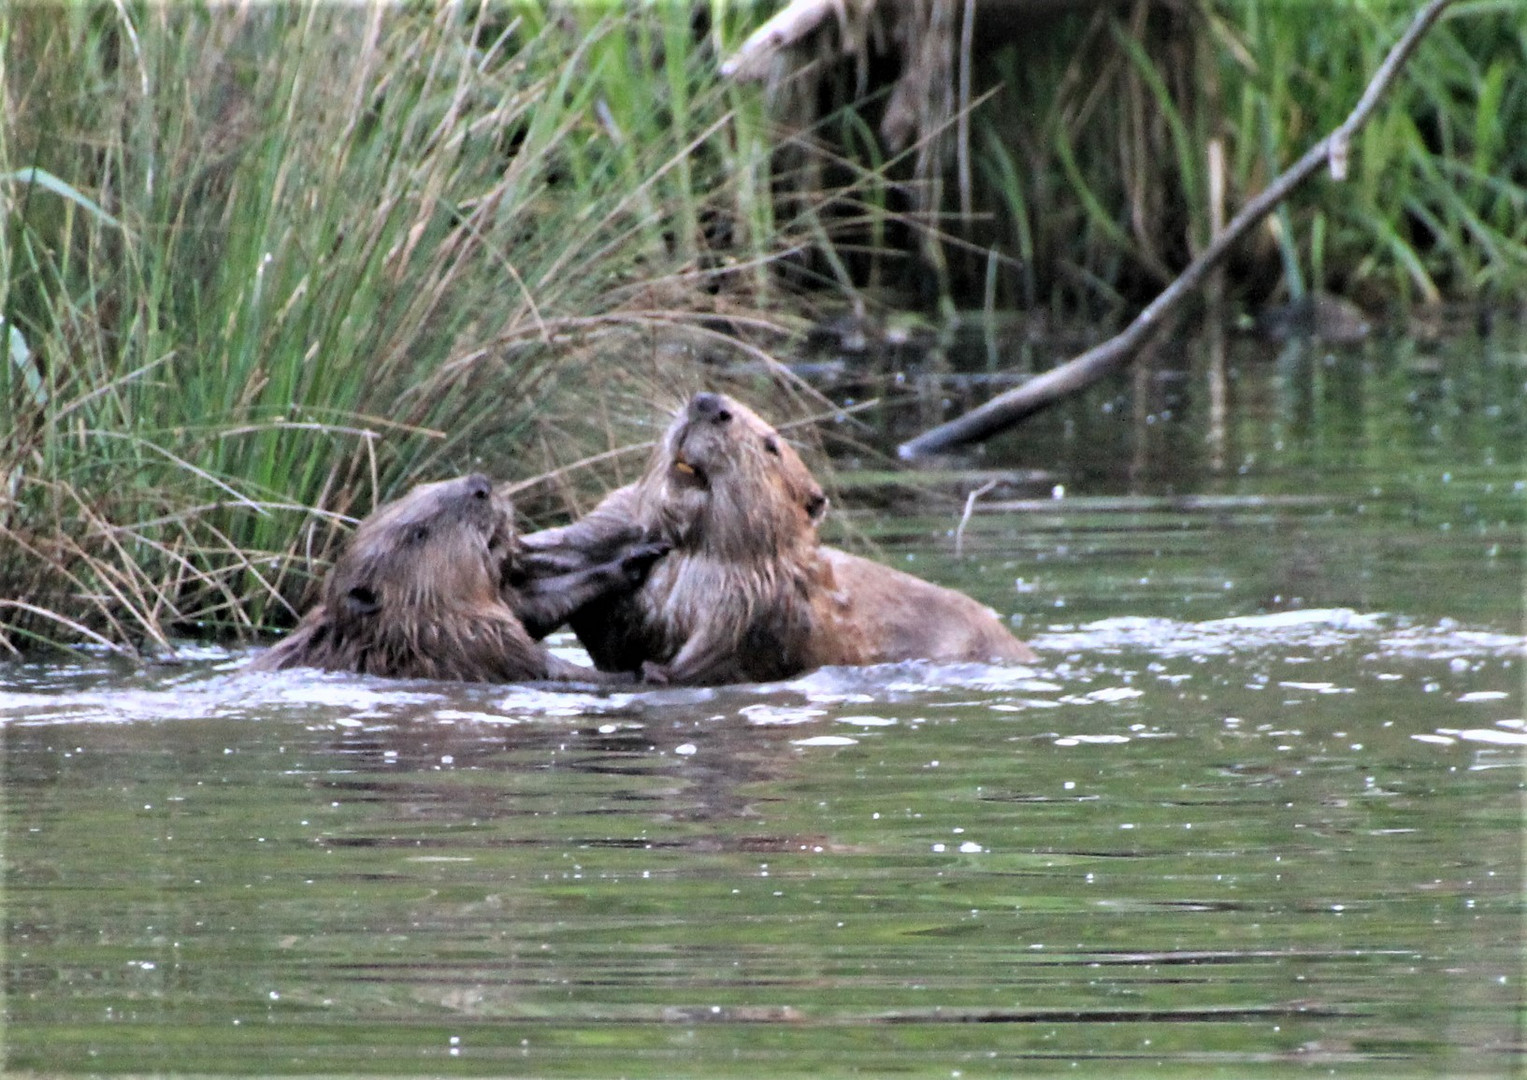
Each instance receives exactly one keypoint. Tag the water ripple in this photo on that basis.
(213, 686)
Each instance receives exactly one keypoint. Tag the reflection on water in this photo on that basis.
(1209, 833)
(1289, 838)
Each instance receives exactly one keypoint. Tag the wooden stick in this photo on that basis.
(970, 506)
(789, 25)
(1040, 392)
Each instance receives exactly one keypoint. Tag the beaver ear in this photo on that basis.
(816, 504)
(360, 601)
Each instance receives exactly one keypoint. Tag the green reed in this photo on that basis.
(262, 267)
(1094, 157)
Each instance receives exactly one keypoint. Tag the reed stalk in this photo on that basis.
(1092, 161)
(262, 267)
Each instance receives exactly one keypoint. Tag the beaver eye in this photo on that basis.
(771, 444)
(418, 534)
(362, 601)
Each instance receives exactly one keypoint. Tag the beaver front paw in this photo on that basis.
(636, 563)
(655, 674)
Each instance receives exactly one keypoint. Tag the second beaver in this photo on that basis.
(748, 592)
(427, 588)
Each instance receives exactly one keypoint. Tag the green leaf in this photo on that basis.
(44, 179)
(21, 356)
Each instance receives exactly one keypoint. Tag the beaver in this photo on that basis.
(748, 592)
(430, 587)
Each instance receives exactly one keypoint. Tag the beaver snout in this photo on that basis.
(710, 408)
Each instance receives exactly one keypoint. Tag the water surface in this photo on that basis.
(1255, 812)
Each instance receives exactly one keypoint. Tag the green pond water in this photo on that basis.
(1256, 812)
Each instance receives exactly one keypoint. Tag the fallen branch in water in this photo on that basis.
(1040, 392)
(970, 506)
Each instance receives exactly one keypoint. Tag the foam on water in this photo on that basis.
(1322, 628)
(1074, 661)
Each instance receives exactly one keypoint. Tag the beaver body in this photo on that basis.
(747, 592)
(429, 587)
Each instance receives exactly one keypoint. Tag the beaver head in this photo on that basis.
(416, 595)
(725, 483)
(420, 593)
(442, 548)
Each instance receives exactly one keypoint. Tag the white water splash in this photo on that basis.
(214, 687)
(1313, 630)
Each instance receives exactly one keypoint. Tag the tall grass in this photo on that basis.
(264, 266)
(1092, 160)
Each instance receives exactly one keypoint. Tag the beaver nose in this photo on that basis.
(479, 486)
(711, 407)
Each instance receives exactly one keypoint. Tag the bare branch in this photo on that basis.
(795, 21)
(1038, 393)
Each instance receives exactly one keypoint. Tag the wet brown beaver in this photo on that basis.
(431, 587)
(747, 592)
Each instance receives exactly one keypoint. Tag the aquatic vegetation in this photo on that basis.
(1088, 154)
(264, 266)
(1435, 205)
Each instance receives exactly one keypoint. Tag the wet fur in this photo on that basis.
(748, 593)
(426, 589)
